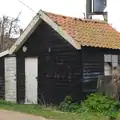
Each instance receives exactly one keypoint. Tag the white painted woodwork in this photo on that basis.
(10, 79)
(31, 73)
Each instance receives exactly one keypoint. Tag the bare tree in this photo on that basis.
(9, 28)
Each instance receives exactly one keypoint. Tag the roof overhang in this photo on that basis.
(6, 52)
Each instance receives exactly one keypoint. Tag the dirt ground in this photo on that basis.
(11, 115)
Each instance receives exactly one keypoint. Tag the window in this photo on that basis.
(110, 62)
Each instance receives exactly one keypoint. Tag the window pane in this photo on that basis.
(114, 64)
(107, 58)
(115, 58)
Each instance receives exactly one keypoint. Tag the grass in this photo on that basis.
(51, 113)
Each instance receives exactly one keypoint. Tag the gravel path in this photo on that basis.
(11, 115)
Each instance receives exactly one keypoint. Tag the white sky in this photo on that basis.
(74, 8)
(11, 8)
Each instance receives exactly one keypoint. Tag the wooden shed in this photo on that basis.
(58, 56)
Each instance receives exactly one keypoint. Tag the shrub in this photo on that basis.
(3, 102)
(103, 104)
(68, 106)
(93, 103)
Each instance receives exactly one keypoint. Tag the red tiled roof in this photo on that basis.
(88, 32)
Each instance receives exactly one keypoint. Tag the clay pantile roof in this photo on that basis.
(88, 32)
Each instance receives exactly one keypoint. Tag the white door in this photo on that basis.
(10, 79)
(31, 73)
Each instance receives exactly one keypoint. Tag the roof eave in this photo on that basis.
(6, 52)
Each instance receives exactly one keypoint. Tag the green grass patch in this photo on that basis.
(51, 113)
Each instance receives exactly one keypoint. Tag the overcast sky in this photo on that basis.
(66, 7)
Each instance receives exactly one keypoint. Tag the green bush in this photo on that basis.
(3, 102)
(94, 103)
(68, 106)
(99, 103)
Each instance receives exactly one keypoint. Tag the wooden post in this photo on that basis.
(104, 85)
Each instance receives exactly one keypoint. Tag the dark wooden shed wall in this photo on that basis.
(93, 66)
(2, 79)
(20, 79)
(59, 66)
